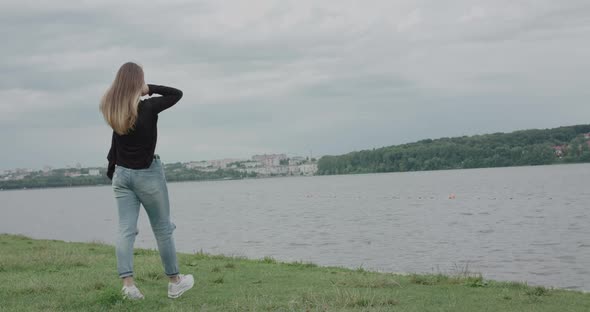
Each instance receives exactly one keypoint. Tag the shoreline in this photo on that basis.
(65, 276)
(377, 271)
(308, 176)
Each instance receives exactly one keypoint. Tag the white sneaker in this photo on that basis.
(131, 292)
(185, 283)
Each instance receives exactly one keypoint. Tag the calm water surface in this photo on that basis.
(524, 224)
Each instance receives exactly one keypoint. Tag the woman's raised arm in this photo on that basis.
(169, 96)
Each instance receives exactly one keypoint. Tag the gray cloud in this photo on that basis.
(290, 76)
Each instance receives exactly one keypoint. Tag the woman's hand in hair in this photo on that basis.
(145, 90)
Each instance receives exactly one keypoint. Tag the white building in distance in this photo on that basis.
(271, 160)
(308, 169)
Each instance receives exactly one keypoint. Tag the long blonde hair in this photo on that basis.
(119, 103)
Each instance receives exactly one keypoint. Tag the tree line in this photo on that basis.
(520, 148)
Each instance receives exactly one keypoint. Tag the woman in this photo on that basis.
(137, 174)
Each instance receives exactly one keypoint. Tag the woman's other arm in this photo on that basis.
(111, 157)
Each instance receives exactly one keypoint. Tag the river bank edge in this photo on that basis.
(53, 275)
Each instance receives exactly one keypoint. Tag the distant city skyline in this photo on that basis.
(79, 165)
(292, 76)
(261, 165)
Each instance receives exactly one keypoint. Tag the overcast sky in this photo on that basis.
(329, 76)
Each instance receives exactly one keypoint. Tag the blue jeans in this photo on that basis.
(148, 187)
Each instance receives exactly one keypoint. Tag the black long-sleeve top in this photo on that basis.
(135, 150)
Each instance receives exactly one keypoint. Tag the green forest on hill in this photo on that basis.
(520, 148)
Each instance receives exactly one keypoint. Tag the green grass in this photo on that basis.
(49, 275)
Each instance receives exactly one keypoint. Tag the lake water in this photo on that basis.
(523, 224)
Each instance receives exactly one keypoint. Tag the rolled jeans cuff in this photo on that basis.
(126, 274)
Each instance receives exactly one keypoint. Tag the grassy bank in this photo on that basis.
(47, 275)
